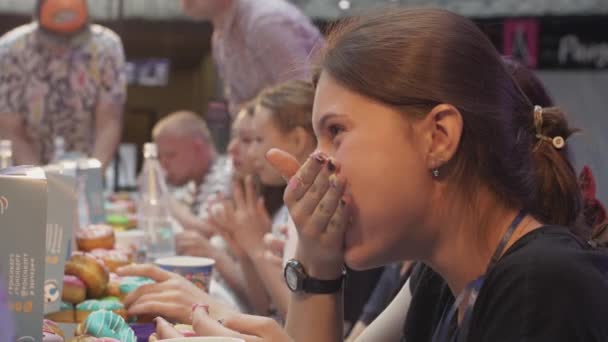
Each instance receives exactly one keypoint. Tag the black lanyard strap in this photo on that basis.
(442, 333)
(505, 239)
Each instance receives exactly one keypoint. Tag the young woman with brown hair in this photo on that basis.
(428, 150)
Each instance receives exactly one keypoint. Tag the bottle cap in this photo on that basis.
(150, 150)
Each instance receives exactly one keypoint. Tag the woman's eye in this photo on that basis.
(335, 130)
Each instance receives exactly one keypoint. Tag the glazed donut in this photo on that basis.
(74, 290)
(91, 271)
(95, 236)
(105, 323)
(130, 284)
(64, 315)
(51, 332)
(112, 258)
(114, 285)
(84, 309)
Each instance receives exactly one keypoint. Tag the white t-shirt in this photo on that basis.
(282, 218)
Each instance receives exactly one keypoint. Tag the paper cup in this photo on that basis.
(204, 339)
(143, 330)
(197, 270)
(133, 241)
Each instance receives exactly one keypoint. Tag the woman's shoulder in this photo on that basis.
(550, 285)
(551, 260)
(549, 252)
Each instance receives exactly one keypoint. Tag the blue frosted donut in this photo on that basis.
(130, 284)
(104, 323)
(94, 305)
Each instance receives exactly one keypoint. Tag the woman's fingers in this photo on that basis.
(326, 209)
(338, 224)
(285, 163)
(204, 325)
(273, 259)
(263, 213)
(164, 330)
(274, 244)
(300, 183)
(316, 191)
(162, 308)
(141, 291)
(264, 327)
(147, 270)
(274, 249)
(238, 195)
(251, 195)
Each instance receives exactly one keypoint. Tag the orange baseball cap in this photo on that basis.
(63, 16)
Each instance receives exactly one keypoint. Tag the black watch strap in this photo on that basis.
(317, 286)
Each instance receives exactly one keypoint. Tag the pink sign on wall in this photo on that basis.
(520, 40)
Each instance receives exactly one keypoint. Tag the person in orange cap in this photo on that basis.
(62, 76)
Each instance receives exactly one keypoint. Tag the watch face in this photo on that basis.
(291, 278)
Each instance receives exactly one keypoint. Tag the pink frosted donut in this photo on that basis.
(51, 332)
(113, 258)
(50, 337)
(91, 270)
(74, 290)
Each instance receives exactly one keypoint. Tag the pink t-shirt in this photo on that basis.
(260, 44)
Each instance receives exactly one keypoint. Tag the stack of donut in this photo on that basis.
(89, 284)
(121, 210)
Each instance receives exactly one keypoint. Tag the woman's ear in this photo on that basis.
(444, 126)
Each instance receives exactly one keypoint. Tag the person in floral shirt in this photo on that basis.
(61, 81)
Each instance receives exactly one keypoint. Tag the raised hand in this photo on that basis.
(245, 220)
(314, 198)
(193, 243)
(275, 247)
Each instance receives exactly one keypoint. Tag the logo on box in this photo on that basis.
(3, 204)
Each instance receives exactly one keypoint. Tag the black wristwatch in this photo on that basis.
(298, 281)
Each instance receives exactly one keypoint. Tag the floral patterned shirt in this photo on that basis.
(57, 87)
(217, 181)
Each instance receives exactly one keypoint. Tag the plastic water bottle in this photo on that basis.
(6, 154)
(58, 149)
(153, 208)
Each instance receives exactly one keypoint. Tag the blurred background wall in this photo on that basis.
(566, 41)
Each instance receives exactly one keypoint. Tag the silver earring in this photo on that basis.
(435, 173)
